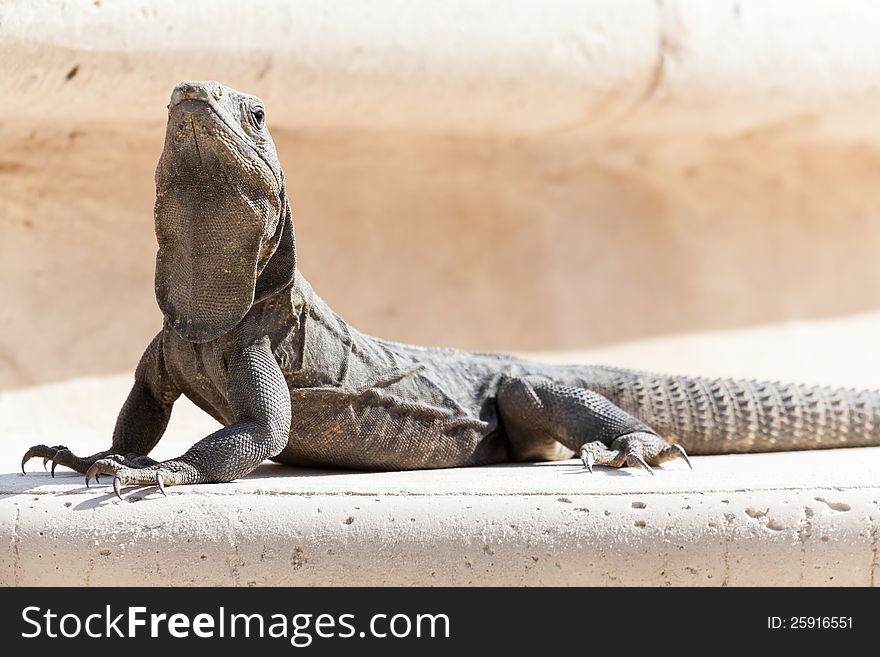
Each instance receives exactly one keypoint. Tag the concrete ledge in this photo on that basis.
(793, 519)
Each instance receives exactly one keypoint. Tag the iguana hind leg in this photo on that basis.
(539, 415)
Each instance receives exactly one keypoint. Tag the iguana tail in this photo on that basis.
(724, 416)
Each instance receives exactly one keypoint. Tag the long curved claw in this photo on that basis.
(160, 482)
(117, 486)
(682, 454)
(55, 462)
(27, 457)
(91, 473)
(588, 459)
(638, 459)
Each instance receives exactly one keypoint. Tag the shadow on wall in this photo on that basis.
(541, 243)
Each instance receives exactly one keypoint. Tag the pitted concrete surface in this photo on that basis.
(803, 518)
(786, 519)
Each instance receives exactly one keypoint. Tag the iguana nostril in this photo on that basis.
(202, 91)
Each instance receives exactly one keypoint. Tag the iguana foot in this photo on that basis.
(126, 474)
(638, 449)
(60, 455)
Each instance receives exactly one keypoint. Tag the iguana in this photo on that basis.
(248, 341)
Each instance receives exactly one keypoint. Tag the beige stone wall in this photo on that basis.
(518, 179)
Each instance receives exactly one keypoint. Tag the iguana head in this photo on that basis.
(223, 221)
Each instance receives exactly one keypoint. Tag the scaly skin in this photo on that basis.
(247, 340)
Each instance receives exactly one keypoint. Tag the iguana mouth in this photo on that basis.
(196, 141)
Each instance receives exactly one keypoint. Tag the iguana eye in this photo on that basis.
(259, 116)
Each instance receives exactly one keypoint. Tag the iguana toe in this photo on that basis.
(160, 482)
(676, 452)
(47, 453)
(107, 466)
(124, 474)
(117, 484)
(63, 457)
(147, 477)
(634, 459)
(588, 457)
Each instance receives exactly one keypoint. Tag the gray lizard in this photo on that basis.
(248, 341)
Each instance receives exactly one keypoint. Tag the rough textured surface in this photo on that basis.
(803, 518)
(247, 340)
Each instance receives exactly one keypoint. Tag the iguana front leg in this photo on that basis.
(258, 396)
(140, 423)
